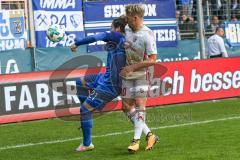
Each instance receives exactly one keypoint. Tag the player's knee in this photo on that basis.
(85, 113)
(84, 109)
(126, 107)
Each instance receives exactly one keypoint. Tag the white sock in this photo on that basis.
(138, 124)
(133, 115)
(145, 128)
(138, 119)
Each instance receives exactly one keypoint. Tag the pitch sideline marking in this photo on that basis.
(117, 133)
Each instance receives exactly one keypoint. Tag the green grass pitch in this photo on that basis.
(203, 131)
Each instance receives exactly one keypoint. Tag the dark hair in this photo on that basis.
(120, 22)
(217, 29)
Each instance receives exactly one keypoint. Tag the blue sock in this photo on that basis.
(86, 124)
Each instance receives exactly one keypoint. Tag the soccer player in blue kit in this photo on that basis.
(105, 86)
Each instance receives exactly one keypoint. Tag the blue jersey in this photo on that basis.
(110, 82)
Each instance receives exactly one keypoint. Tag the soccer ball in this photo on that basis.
(55, 33)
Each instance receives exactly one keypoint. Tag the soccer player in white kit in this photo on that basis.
(141, 52)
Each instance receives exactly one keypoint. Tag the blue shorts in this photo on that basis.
(93, 92)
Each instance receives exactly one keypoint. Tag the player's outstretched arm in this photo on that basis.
(89, 39)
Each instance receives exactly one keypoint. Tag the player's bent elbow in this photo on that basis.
(152, 62)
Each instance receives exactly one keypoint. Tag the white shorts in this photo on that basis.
(135, 88)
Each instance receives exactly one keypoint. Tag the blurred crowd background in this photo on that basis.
(215, 13)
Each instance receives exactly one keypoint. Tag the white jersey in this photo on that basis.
(216, 46)
(140, 44)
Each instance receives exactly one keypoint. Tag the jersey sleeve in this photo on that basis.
(151, 47)
(104, 36)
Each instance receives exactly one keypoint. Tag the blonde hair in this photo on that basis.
(135, 9)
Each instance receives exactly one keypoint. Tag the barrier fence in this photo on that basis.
(30, 96)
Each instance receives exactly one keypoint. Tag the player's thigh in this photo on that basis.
(88, 81)
(132, 89)
(98, 100)
(91, 80)
(127, 97)
(127, 89)
(83, 93)
(141, 87)
(141, 102)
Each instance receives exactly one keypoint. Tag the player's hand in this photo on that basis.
(73, 48)
(126, 71)
(127, 45)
